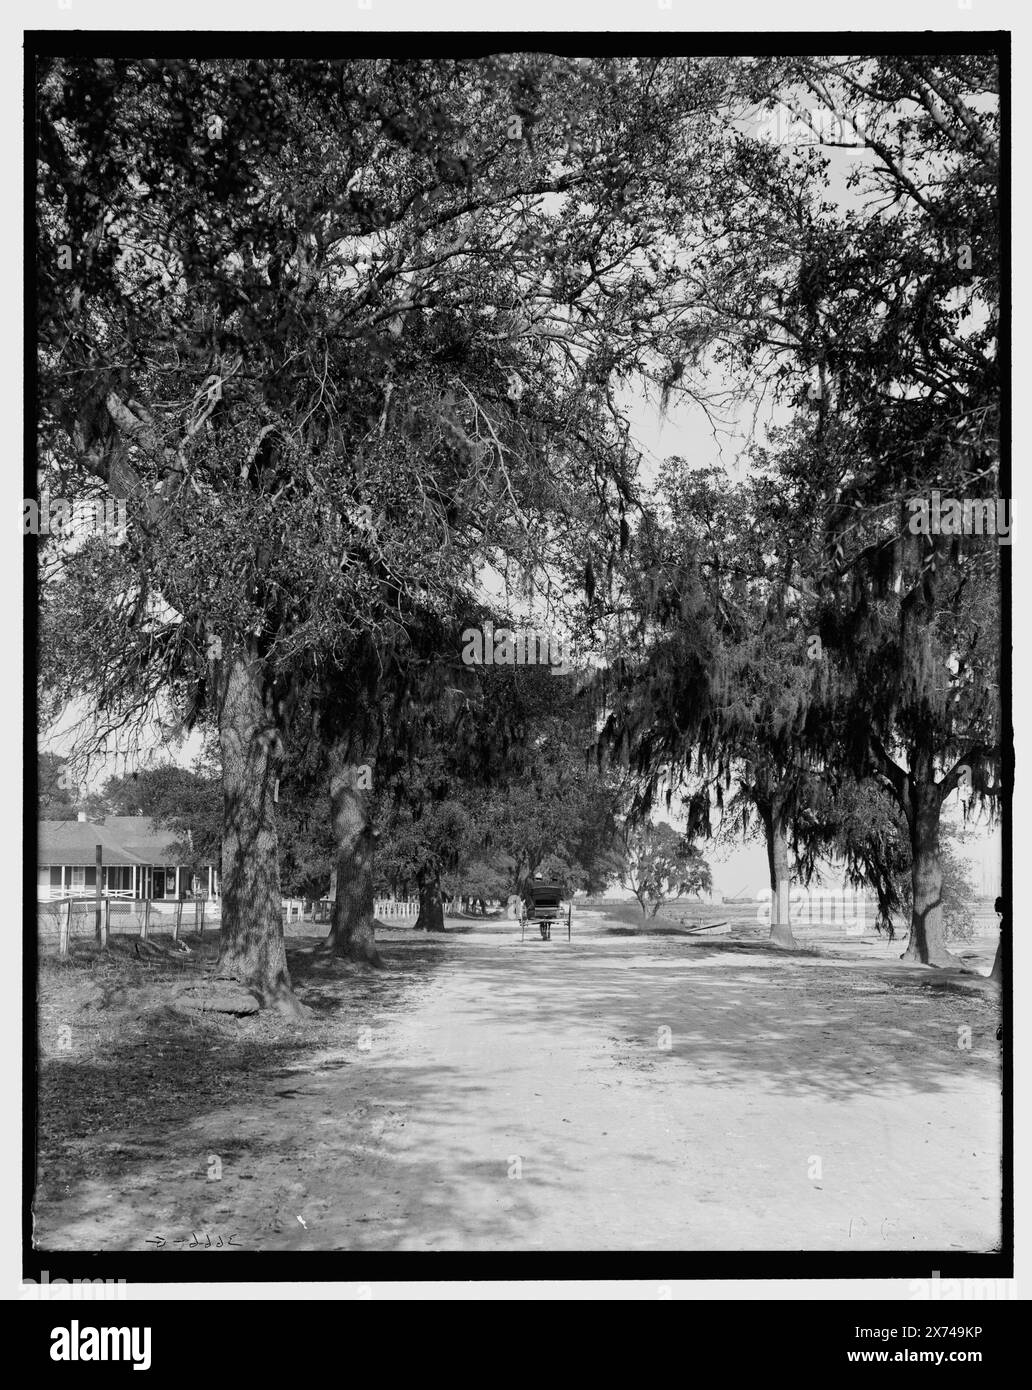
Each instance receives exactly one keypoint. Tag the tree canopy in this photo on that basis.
(355, 341)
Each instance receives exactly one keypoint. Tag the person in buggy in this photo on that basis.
(541, 899)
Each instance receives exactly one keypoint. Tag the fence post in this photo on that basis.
(64, 923)
(106, 922)
(179, 919)
(98, 890)
(200, 929)
(198, 908)
(146, 919)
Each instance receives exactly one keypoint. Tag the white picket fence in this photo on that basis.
(389, 910)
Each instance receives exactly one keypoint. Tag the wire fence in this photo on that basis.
(62, 921)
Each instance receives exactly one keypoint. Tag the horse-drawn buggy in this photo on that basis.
(543, 907)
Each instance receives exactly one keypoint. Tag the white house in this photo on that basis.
(138, 860)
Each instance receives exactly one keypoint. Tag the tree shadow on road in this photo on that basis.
(335, 1137)
(145, 1104)
(746, 1014)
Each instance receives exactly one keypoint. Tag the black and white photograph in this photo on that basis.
(518, 738)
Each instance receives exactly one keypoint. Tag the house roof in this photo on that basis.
(122, 840)
(141, 836)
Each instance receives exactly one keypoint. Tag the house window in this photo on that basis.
(55, 876)
(79, 876)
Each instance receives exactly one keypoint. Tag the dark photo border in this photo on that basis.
(176, 1267)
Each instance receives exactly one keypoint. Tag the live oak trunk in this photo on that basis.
(352, 923)
(251, 945)
(927, 943)
(431, 907)
(780, 878)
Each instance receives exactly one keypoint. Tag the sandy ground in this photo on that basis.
(621, 1092)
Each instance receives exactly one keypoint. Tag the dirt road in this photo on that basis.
(617, 1093)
